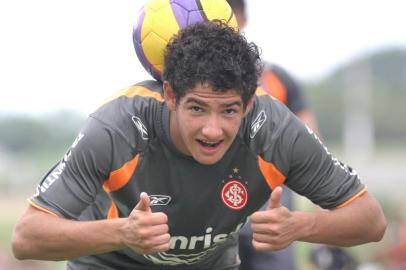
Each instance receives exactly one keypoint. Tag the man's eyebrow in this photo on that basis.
(236, 103)
(202, 103)
(194, 100)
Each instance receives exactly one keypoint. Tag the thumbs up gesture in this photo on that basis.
(143, 204)
(275, 199)
(146, 232)
(274, 228)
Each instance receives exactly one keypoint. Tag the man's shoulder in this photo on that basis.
(264, 121)
(133, 98)
(138, 107)
(143, 90)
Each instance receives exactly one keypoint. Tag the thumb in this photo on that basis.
(275, 200)
(143, 204)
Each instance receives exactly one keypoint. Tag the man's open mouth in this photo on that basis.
(209, 143)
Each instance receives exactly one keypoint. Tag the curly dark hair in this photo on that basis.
(214, 54)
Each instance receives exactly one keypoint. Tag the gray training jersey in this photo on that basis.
(124, 149)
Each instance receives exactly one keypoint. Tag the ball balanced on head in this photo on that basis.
(159, 20)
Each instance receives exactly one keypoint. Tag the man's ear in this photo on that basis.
(169, 96)
(249, 106)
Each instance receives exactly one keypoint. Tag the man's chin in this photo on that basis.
(207, 160)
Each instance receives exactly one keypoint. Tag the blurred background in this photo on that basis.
(60, 59)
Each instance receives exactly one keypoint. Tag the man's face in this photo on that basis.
(205, 123)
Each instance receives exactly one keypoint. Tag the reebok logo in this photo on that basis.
(159, 199)
(141, 127)
(257, 124)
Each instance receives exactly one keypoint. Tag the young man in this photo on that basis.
(166, 175)
(279, 84)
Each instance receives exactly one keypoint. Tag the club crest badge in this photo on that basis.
(234, 195)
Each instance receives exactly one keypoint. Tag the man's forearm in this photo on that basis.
(360, 222)
(52, 238)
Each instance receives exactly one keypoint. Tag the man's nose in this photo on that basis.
(212, 128)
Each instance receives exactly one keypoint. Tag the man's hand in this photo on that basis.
(273, 229)
(146, 232)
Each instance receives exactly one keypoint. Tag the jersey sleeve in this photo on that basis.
(315, 173)
(74, 182)
(299, 159)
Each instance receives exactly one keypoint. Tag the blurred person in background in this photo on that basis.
(282, 86)
(325, 257)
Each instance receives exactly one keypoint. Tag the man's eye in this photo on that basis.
(230, 111)
(195, 109)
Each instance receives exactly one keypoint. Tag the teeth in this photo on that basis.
(208, 142)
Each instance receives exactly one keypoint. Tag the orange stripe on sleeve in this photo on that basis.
(353, 198)
(43, 209)
(136, 90)
(260, 91)
(113, 211)
(121, 176)
(272, 175)
(143, 92)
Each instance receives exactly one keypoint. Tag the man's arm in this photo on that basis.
(39, 235)
(358, 222)
(42, 236)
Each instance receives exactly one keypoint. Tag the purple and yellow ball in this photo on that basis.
(159, 20)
